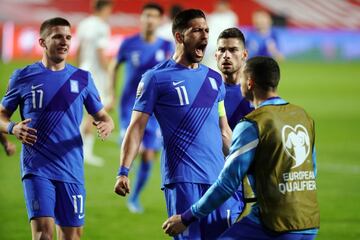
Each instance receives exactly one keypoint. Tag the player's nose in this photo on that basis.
(226, 54)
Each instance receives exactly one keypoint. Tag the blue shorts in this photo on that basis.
(152, 136)
(65, 202)
(247, 229)
(180, 196)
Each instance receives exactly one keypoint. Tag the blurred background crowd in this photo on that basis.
(307, 29)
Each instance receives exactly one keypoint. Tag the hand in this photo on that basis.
(173, 225)
(10, 148)
(122, 185)
(24, 133)
(103, 128)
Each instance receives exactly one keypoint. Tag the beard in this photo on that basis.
(190, 54)
(226, 70)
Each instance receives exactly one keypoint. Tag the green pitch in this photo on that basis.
(329, 91)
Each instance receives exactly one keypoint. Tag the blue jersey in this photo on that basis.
(257, 44)
(185, 103)
(139, 56)
(54, 101)
(242, 152)
(236, 105)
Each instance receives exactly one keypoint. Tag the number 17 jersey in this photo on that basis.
(54, 101)
(185, 103)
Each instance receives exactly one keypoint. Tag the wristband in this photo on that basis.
(10, 127)
(123, 171)
(187, 217)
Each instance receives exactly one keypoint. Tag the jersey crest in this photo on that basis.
(74, 86)
(135, 58)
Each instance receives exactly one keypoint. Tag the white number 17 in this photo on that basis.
(39, 103)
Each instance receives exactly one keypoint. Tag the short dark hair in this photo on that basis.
(155, 6)
(52, 22)
(174, 10)
(264, 71)
(232, 33)
(182, 19)
(100, 4)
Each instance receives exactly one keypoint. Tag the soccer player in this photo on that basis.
(141, 52)
(274, 145)
(263, 40)
(230, 56)
(187, 100)
(51, 95)
(94, 36)
(9, 147)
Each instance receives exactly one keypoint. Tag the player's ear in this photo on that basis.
(250, 83)
(179, 37)
(42, 43)
(245, 55)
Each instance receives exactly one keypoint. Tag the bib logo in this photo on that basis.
(296, 142)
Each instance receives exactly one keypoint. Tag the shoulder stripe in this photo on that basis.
(243, 149)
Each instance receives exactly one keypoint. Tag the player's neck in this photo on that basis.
(264, 31)
(52, 65)
(149, 37)
(103, 16)
(261, 96)
(180, 59)
(231, 79)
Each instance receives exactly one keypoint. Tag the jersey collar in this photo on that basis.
(273, 101)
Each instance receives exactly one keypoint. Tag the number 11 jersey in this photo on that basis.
(185, 102)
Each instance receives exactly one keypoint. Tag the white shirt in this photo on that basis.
(93, 33)
(217, 22)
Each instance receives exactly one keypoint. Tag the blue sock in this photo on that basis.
(143, 174)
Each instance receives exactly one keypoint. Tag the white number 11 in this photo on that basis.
(183, 96)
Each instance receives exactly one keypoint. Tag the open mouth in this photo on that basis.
(200, 49)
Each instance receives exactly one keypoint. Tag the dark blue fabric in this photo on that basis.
(249, 230)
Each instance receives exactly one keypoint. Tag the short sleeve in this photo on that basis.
(12, 98)
(146, 94)
(92, 100)
(222, 92)
(121, 56)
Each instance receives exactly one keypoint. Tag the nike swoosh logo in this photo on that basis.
(81, 216)
(177, 83)
(36, 86)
